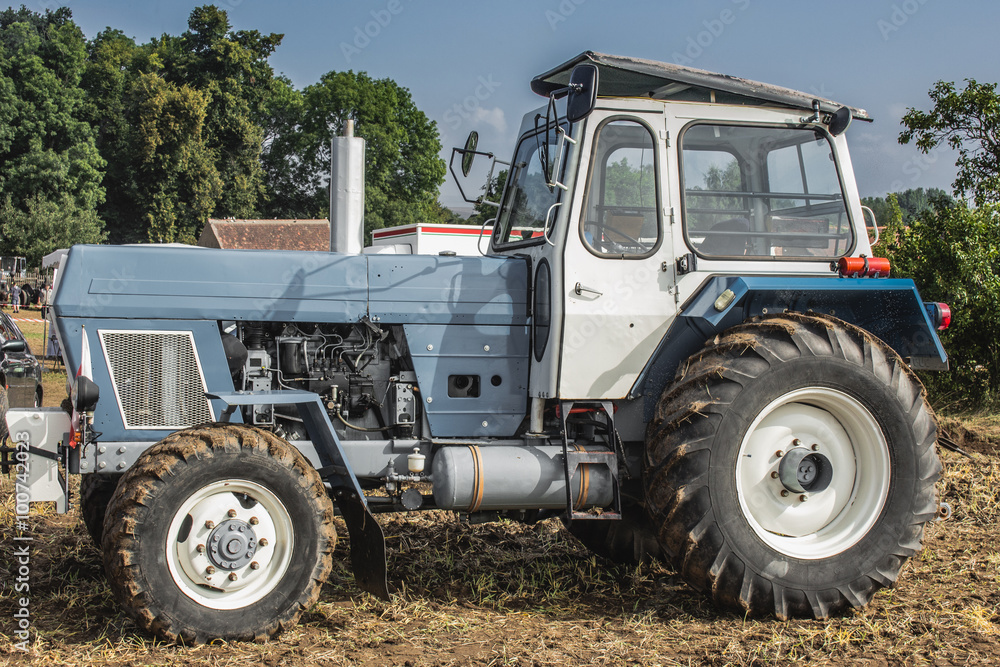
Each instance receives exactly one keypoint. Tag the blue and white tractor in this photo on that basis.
(677, 339)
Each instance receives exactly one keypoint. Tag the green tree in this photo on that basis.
(952, 253)
(912, 203)
(48, 154)
(44, 225)
(968, 121)
(402, 169)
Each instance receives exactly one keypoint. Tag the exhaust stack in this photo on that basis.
(347, 192)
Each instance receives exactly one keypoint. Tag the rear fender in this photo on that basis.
(889, 309)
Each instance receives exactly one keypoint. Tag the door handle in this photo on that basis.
(580, 289)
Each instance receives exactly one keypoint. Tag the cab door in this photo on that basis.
(618, 258)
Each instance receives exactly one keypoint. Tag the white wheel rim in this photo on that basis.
(832, 520)
(205, 578)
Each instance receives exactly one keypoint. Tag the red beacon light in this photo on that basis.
(940, 314)
(863, 267)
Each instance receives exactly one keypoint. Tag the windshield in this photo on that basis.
(527, 198)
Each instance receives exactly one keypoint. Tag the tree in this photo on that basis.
(48, 155)
(44, 225)
(968, 121)
(912, 203)
(952, 253)
(402, 169)
(180, 121)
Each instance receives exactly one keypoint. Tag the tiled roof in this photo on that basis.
(266, 234)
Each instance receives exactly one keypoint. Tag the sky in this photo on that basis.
(468, 63)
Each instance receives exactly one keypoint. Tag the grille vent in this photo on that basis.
(157, 379)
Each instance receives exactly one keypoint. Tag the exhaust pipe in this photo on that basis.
(347, 192)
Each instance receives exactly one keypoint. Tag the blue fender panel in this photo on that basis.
(889, 309)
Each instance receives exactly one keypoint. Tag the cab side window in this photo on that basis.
(621, 216)
(764, 192)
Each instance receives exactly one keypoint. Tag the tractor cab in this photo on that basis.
(638, 182)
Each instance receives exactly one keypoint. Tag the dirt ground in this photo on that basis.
(509, 594)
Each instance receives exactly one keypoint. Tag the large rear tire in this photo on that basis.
(790, 468)
(219, 532)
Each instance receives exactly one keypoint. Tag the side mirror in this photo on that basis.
(15, 346)
(582, 96)
(85, 394)
(470, 152)
(840, 121)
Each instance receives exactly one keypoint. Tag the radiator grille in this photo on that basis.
(157, 378)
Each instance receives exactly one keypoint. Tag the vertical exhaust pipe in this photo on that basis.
(347, 192)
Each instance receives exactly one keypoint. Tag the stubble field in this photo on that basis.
(509, 594)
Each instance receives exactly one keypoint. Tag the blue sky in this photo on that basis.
(456, 56)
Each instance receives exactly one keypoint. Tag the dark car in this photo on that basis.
(20, 372)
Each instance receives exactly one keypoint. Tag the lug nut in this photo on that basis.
(796, 442)
(784, 493)
(774, 474)
(232, 576)
(210, 525)
(210, 569)
(262, 541)
(255, 565)
(802, 498)
(254, 521)
(815, 447)
(779, 453)
(201, 548)
(231, 513)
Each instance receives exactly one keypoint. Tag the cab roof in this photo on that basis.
(622, 76)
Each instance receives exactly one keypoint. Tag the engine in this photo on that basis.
(361, 371)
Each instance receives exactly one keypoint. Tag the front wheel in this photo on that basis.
(791, 466)
(219, 532)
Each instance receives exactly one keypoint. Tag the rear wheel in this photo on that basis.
(219, 532)
(791, 466)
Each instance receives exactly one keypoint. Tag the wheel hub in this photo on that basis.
(232, 544)
(805, 471)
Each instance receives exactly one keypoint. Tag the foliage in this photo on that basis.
(45, 225)
(968, 121)
(48, 155)
(912, 203)
(492, 191)
(180, 122)
(402, 167)
(952, 252)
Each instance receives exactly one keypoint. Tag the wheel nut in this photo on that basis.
(210, 525)
(232, 576)
(784, 493)
(201, 548)
(231, 513)
(796, 442)
(815, 448)
(254, 521)
(779, 453)
(802, 498)
(774, 474)
(255, 565)
(210, 569)
(262, 541)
